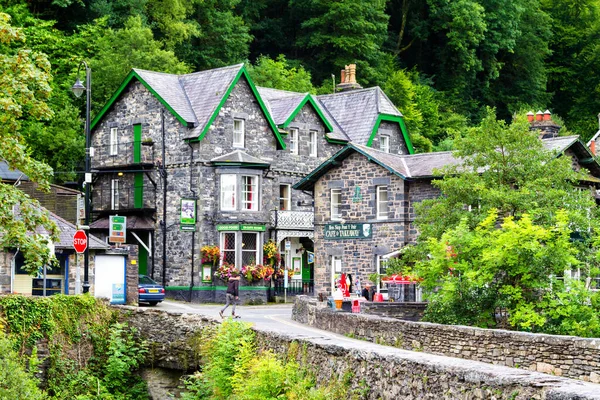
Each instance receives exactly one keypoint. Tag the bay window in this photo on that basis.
(239, 192)
(249, 193)
(240, 248)
(228, 192)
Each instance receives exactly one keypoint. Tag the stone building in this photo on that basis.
(364, 203)
(213, 145)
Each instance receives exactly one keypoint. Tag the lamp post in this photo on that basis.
(78, 90)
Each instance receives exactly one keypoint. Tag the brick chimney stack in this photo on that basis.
(348, 79)
(543, 123)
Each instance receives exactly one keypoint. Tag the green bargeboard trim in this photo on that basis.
(142, 260)
(137, 143)
(392, 118)
(120, 90)
(244, 73)
(138, 190)
(308, 99)
(214, 288)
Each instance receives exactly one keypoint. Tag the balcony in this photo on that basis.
(123, 155)
(303, 220)
(135, 198)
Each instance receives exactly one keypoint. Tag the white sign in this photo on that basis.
(288, 245)
(285, 278)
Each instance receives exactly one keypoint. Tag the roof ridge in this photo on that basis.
(240, 65)
(408, 173)
(354, 91)
(154, 72)
(388, 99)
(332, 117)
(187, 98)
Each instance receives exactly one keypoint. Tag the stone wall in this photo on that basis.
(404, 311)
(568, 356)
(379, 372)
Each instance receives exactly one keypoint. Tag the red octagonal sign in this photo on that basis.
(80, 241)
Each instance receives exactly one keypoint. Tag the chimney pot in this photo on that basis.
(547, 115)
(352, 68)
(593, 147)
(530, 116)
(343, 76)
(539, 115)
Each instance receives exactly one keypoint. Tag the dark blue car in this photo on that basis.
(149, 291)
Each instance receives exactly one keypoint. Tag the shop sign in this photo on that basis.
(241, 227)
(347, 231)
(187, 216)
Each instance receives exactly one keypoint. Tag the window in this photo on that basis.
(312, 143)
(384, 143)
(336, 202)
(228, 186)
(228, 247)
(285, 197)
(382, 202)
(114, 194)
(238, 133)
(249, 193)
(240, 247)
(114, 146)
(294, 141)
(249, 248)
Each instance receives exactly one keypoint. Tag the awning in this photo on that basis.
(134, 222)
(282, 234)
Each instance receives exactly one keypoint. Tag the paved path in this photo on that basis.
(277, 318)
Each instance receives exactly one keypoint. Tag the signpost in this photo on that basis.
(80, 241)
(117, 229)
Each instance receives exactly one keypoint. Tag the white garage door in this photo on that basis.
(109, 281)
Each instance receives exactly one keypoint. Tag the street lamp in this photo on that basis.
(78, 89)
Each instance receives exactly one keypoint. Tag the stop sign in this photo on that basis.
(80, 241)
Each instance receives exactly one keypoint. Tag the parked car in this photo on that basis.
(149, 291)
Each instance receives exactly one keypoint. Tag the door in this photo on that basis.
(109, 278)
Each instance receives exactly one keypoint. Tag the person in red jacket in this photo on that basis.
(232, 295)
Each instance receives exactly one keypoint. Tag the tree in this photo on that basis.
(500, 233)
(336, 33)
(24, 88)
(279, 74)
(131, 47)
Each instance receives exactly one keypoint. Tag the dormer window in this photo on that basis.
(238, 132)
(384, 144)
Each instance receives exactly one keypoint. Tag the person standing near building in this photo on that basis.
(232, 295)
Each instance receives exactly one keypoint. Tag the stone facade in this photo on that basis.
(358, 179)
(191, 174)
(566, 356)
(380, 372)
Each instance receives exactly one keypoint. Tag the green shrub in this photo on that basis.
(15, 381)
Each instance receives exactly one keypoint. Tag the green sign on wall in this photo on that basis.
(241, 227)
(347, 231)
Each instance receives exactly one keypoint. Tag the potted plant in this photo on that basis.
(226, 271)
(210, 258)
(147, 142)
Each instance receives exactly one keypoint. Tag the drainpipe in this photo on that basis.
(164, 221)
(194, 231)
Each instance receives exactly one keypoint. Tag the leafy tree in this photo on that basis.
(336, 33)
(279, 74)
(24, 89)
(223, 39)
(131, 47)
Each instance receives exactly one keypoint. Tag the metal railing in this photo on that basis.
(122, 154)
(293, 220)
(128, 198)
(295, 287)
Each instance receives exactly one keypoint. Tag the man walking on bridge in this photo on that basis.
(232, 295)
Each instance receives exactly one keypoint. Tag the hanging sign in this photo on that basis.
(117, 229)
(187, 217)
(347, 231)
(310, 257)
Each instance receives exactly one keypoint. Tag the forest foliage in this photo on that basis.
(442, 62)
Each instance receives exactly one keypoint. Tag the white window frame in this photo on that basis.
(223, 195)
(255, 251)
(238, 247)
(312, 143)
(294, 140)
(239, 134)
(382, 214)
(114, 142)
(384, 143)
(250, 205)
(114, 194)
(223, 249)
(336, 216)
(285, 199)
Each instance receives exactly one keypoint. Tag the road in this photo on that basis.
(277, 318)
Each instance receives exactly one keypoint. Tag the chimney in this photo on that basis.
(531, 116)
(593, 147)
(547, 115)
(539, 115)
(544, 124)
(348, 82)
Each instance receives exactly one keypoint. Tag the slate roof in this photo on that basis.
(560, 143)
(356, 111)
(67, 230)
(134, 222)
(238, 157)
(7, 174)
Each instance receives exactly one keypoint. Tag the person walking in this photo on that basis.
(232, 295)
